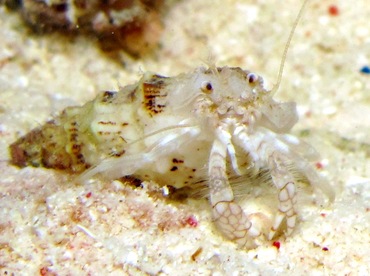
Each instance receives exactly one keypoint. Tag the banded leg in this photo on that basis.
(228, 215)
(284, 182)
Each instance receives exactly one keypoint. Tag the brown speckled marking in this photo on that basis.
(107, 123)
(108, 96)
(75, 146)
(118, 154)
(177, 161)
(154, 95)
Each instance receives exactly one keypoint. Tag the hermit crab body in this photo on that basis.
(212, 124)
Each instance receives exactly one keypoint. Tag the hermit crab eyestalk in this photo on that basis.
(206, 87)
(252, 78)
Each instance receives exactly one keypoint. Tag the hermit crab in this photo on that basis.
(211, 125)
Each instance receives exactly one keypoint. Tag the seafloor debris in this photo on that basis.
(132, 25)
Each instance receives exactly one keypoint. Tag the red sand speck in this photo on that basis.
(276, 244)
(333, 10)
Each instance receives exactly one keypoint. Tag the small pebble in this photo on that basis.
(365, 69)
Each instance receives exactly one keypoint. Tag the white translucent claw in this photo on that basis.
(233, 222)
(290, 222)
(287, 201)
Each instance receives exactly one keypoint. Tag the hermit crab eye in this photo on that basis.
(252, 78)
(206, 87)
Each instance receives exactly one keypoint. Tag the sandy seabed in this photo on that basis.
(50, 226)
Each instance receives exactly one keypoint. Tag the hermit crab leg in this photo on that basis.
(284, 182)
(268, 149)
(228, 215)
(225, 138)
(316, 181)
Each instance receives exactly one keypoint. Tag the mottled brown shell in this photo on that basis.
(83, 136)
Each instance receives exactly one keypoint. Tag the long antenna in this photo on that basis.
(282, 63)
